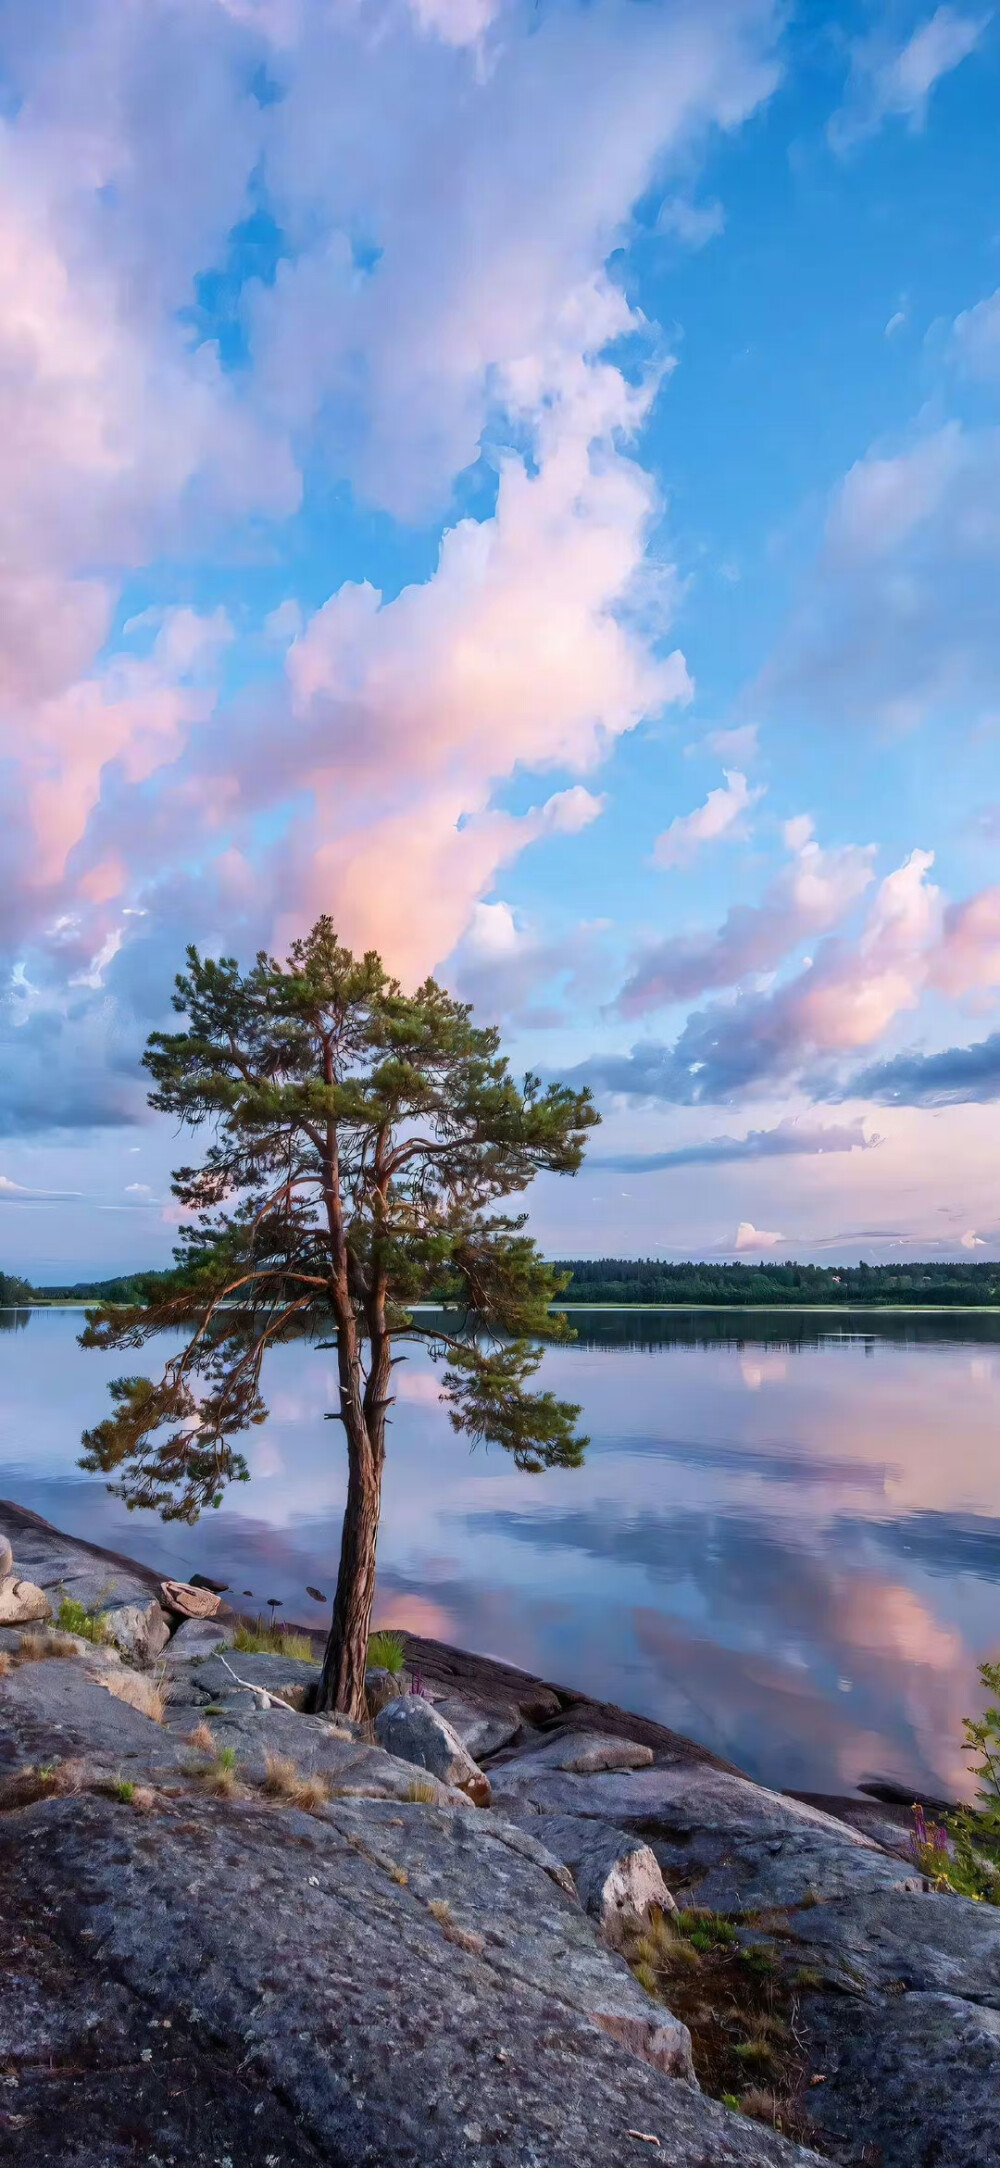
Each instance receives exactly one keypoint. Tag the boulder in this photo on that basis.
(415, 1732)
(22, 1602)
(735, 1846)
(138, 1628)
(585, 1753)
(482, 1729)
(189, 1600)
(617, 1876)
(373, 1970)
(6, 1558)
(195, 1637)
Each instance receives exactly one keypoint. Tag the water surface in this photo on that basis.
(785, 1540)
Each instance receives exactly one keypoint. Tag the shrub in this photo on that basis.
(73, 1618)
(264, 1638)
(386, 1651)
(963, 1853)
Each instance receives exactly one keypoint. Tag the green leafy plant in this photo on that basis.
(963, 1852)
(125, 1791)
(73, 1618)
(386, 1651)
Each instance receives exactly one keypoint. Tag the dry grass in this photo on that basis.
(202, 1738)
(53, 1780)
(286, 1781)
(219, 1780)
(6, 1664)
(34, 1648)
(420, 1792)
(146, 1695)
(264, 1638)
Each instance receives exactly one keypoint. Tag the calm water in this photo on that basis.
(785, 1540)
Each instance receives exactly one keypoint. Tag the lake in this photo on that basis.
(785, 1540)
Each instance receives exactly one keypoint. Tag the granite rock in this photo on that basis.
(414, 1731)
(138, 1627)
(194, 1638)
(482, 1730)
(22, 1602)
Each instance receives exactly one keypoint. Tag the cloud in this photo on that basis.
(439, 203)
(788, 1139)
(749, 1237)
(691, 223)
(513, 973)
(896, 623)
(812, 895)
(971, 1241)
(841, 999)
(895, 82)
(976, 339)
(18, 1193)
(721, 815)
(738, 744)
(954, 1077)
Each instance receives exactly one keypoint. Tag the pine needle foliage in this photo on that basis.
(362, 1142)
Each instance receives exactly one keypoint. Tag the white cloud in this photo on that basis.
(749, 1237)
(895, 82)
(971, 1241)
(976, 339)
(740, 743)
(721, 815)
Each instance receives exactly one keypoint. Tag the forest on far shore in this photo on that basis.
(649, 1280)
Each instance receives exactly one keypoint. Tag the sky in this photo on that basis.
(524, 479)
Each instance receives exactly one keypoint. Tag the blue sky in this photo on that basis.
(526, 481)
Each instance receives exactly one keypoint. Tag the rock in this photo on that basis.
(616, 1875)
(22, 1602)
(411, 1729)
(585, 1753)
(195, 1637)
(481, 1730)
(190, 1600)
(204, 1580)
(918, 2081)
(391, 2032)
(730, 1844)
(382, 1686)
(138, 1629)
(6, 1558)
(64, 1567)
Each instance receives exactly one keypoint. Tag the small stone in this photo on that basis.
(204, 1580)
(414, 1731)
(190, 1600)
(21, 1602)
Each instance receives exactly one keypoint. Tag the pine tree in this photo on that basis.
(361, 1140)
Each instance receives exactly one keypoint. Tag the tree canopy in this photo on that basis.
(362, 1141)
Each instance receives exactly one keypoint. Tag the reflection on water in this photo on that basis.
(785, 1539)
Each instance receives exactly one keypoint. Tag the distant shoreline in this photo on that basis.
(679, 1309)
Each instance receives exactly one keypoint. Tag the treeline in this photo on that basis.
(648, 1279)
(16, 1293)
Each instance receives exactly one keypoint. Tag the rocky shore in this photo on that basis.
(500, 1924)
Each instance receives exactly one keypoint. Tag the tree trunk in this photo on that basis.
(342, 1685)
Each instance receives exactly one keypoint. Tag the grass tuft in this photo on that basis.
(146, 1695)
(202, 1738)
(386, 1651)
(6, 1664)
(264, 1638)
(34, 1648)
(420, 1792)
(285, 1780)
